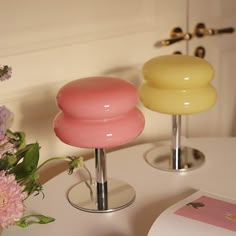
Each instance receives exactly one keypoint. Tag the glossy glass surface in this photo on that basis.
(97, 97)
(178, 71)
(98, 112)
(177, 84)
(101, 133)
(172, 101)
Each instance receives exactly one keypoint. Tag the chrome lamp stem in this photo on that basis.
(101, 179)
(176, 142)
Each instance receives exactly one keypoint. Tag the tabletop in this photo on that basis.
(156, 190)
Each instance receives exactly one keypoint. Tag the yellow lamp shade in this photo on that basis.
(177, 84)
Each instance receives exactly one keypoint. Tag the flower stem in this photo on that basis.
(90, 176)
(52, 159)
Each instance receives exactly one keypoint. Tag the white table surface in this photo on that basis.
(155, 191)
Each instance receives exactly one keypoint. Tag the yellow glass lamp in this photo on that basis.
(177, 85)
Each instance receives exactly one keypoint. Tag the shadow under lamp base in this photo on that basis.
(83, 196)
(183, 159)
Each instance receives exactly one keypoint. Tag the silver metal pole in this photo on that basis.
(176, 145)
(101, 179)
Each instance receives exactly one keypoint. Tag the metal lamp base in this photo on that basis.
(189, 159)
(83, 196)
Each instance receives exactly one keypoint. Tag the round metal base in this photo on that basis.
(83, 196)
(160, 158)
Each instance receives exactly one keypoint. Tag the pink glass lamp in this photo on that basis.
(177, 85)
(99, 113)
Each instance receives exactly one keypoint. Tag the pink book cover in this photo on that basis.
(212, 211)
(202, 213)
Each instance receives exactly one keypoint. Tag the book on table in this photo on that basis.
(199, 214)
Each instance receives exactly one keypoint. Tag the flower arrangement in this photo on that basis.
(19, 170)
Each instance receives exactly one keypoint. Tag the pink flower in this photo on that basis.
(11, 200)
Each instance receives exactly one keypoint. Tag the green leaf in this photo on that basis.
(29, 163)
(31, 158)
(18, 138)
(22, 140)
(3, 164)
(32, 185)
(34, 219)
(21, 152)
(11, 159)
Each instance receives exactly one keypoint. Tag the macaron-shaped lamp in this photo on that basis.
(177, 85)
(99, 113)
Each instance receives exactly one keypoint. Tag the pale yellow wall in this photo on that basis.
(49, 43)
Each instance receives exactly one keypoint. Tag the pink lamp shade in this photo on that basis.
(98, 112)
